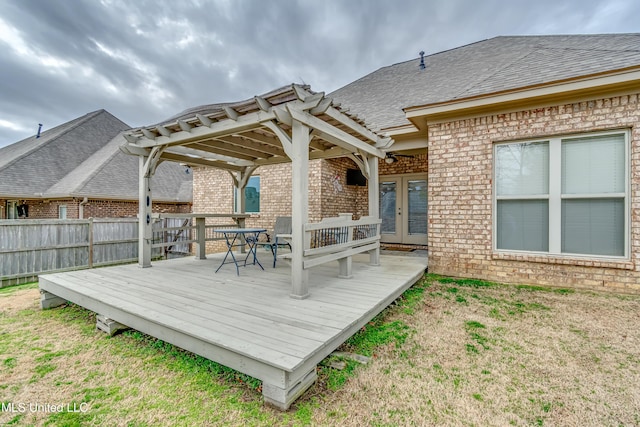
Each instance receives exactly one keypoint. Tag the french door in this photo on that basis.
(403, 209)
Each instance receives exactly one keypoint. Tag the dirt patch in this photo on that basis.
(20, 300)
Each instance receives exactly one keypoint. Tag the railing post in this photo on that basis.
(373, 189)
(201, 233)
(374, 255)
(345, 264)
(90, 237)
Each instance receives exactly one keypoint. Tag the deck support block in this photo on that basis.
(109, 326)
(49, 300)
(282, 398)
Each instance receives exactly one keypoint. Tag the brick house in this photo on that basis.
(76, 170)
(529, 146)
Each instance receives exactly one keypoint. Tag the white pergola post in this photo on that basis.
(300, 139)
(145, 232)
(240, 181)
(374, 202)
(241, 197)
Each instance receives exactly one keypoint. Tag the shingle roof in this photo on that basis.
(112, 174)
(81, 158)
(29, 167)
(489, 66)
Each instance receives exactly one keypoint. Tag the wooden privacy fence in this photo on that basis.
(32, 247)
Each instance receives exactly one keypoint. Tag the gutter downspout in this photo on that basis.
(81, 207)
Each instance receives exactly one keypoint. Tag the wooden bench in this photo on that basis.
(343, 245)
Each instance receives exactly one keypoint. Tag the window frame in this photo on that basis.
(555, 196)
(60, 209)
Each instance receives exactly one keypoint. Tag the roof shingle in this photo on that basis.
(489, 66)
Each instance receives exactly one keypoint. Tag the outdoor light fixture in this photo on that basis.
(390, 158)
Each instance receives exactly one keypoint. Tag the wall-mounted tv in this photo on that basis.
(355, 177)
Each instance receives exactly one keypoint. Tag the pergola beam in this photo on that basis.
(263, 104)
(258, 137)
(215, 150)
(234, 147)
(214, 130)
(333, 134)
(253, 145)
(200, 162)
(352, 124)
(206, 155)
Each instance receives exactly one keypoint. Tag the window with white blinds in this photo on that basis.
(566, 195)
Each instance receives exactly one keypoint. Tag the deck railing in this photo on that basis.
(195, 229)
(340, 238)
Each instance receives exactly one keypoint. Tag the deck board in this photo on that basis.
(250, 315)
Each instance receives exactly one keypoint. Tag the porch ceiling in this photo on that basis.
(256, 132)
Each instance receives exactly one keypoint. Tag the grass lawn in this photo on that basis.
(450, 352)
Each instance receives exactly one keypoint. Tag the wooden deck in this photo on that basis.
(247, 322)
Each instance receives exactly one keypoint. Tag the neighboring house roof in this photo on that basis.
(489, 66)
(81, 158)
(111, 174)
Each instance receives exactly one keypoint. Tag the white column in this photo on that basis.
(374, 203)
(299, 208)
(145, 233)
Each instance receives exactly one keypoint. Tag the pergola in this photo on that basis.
(290, 124)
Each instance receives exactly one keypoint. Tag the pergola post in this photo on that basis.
(241, 197)
(145, 232)
(374, 202)
(240, 181)
(300, 139)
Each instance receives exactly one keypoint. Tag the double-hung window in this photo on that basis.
(564, 195)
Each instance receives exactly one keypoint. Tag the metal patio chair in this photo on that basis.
(281, 236)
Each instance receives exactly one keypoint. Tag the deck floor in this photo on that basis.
(248, 321)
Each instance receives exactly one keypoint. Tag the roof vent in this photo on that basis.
(422, 66)
(39, 129)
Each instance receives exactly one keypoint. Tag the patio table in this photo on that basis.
(248, 236)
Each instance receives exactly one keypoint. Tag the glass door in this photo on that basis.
(415, 231)
(403, 209)
(390, 207)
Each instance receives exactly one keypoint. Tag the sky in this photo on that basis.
(146, 60)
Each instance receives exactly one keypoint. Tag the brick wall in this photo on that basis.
(460, 196)
(41, 209)
(336, 196)
(329, 193)
(416, 164)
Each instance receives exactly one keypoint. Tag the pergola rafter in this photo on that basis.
(291, 124)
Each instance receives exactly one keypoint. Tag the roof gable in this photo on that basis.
(112, 174)
(29, 167)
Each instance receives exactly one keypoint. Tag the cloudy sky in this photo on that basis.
(146, 60)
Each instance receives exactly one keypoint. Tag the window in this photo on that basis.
(62, 212)
(252, 196)
(12, 209)
(565, 195)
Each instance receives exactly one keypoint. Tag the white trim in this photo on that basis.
(619, 79)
